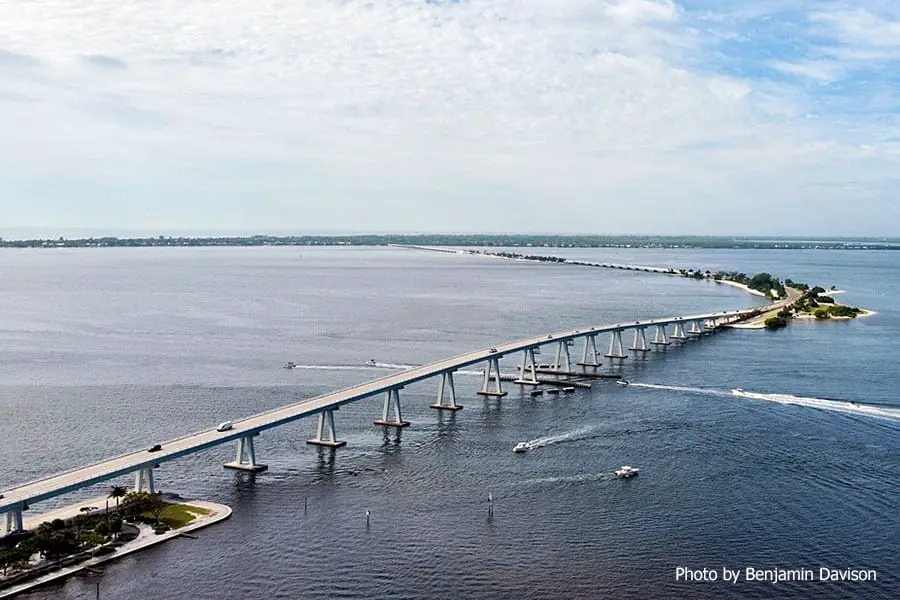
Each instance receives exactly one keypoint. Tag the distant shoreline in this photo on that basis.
(465, 241)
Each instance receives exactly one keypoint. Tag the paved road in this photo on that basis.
(129, 463)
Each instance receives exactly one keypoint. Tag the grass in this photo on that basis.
(177, 516)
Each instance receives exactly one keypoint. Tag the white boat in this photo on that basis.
(624, 472)
(290, 365)
(371, 362)
(521, 447)
(738, 391)
(623, 382)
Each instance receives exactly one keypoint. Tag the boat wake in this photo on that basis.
(564, 479)
(677, 388)
(397, 366)
(854, 408)
(335, 367)
(371, 366)
(570, 436)
(843, 406)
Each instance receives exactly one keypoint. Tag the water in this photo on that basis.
(106, 351)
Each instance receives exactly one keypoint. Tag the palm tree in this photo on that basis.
(117, 492)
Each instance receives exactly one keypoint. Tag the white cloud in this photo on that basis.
(397, 114)
(643, 10)
(824, 71)
(861, 27)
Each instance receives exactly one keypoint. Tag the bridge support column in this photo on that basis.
(562, 354)
(446, 384)
(245, 458)
(392, 401)
(143, 481)
(325, 435)
(590, 356)
(696, 328)
(678, 333)
(661, 338)
(493, 366)
(616, 348)
(528, 370)
(14, 521)
(640, 341)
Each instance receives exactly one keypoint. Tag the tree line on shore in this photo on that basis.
(457, 240)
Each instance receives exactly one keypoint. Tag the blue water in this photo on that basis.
(105, 351)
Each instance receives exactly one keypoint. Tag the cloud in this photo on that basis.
(824, 71)
(861, 27)
(633, 11)
(104, 62)
(407, 114)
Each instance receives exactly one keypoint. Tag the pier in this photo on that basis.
(142, 464)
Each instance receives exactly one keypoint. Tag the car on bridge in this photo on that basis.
(224, 426)
(155, 448)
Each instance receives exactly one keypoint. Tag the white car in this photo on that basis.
(225, 426)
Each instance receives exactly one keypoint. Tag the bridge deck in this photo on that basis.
(129, 463)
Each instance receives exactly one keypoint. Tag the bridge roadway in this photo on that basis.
(20, 497)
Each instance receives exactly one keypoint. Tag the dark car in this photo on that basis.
(155, 448)
(492, 350)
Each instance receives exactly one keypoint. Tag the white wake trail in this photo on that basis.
(677, 388)
(568, 436)
(336, 367)
(854, 408)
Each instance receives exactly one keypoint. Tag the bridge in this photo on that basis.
(142, 463)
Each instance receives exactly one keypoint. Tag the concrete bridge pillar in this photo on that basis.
(528, 370)
(590, 357)
(562, 357)
(493, 366)
(678, 333)
(325, 434)
(14, 521)
(616, 348)
(661, 338)
(143, 481)
(392, 403)
(245, 458)
(696, 328)
(446, 385)
(639, 343)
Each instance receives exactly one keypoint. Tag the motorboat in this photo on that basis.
(371, 362)
(624, 472)
(738, 391)
(521, 447)
(622, 382)
(290, 365)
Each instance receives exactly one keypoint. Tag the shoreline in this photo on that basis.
(793, 295)
(746, 288)
(145, 539)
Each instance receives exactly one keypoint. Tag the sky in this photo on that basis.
(734, 117)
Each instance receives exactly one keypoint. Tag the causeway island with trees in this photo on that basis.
(805, 302)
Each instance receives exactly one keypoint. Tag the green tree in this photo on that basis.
(775, 322)
(117, 492)
(822, 313)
